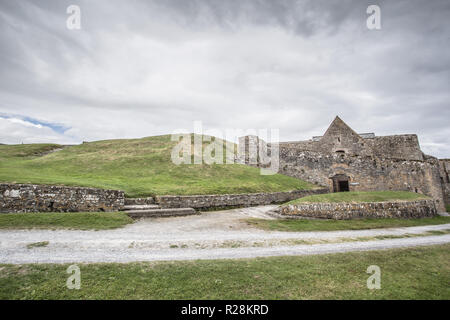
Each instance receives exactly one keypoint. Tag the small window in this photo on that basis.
(340, 151)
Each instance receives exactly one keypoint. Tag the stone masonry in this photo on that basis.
(444, 168)
(344, 211)
(230, 200)
(44, 198)
(343, 160)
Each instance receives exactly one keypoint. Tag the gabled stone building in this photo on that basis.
(344, 160)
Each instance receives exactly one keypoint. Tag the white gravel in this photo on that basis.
(205, 236)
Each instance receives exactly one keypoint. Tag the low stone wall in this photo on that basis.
(44, 198)
(232, 200)
(139, 201)
(344, 211)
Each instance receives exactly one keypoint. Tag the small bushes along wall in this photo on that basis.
(344, 211)
(233, 200)
(44, 198)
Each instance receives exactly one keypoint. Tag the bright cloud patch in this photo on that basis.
(16, 131)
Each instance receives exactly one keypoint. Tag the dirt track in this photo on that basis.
(211, 235)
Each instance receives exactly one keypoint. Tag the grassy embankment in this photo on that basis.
(414, 273)
(64, 220)
(361, 196)
(297, 225)
(140, 167)
(332, 225)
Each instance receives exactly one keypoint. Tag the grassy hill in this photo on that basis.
(140, 167)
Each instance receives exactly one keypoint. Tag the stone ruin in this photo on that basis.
(344, 160)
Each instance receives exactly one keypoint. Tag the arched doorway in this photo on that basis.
(340, 183)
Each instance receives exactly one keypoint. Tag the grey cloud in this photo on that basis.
(139, 68)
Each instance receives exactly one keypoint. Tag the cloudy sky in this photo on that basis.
(142, 68)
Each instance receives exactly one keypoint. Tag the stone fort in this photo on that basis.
(344, 160)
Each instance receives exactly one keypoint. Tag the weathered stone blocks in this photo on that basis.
(139, 201)
(344, 211)
(44, 198)
(231, 200)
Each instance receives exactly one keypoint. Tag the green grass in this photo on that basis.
(332, 225)
(415, 273)
(360, 196)
(64, 220)
(447, 207)
(140, 167)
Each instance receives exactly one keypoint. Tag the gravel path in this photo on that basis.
(211, 235)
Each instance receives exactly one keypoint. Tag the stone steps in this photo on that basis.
(137, 208)
(154, 213)
(140, 207)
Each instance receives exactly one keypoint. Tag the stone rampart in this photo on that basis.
(45, 198)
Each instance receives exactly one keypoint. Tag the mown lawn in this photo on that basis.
(140, 167)
(64, 220)
(416, 273)
(361, 196)
(333, 225)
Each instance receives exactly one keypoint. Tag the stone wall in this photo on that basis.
(139, 201)
(364, 162)
(44, 198)
(339, 137)
(365, 173)
(405, 147)
(444, 168)
(344, 211)
(230, 200)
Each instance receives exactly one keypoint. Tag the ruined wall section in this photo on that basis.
(365, 173)
(344, 211)
(45, 198)
(444, 170)
(233, 200)
(254, 151)
(307, 145)
(404, 147)
(248, 150)
(370, 163)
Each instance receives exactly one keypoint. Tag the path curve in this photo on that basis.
(193, 237)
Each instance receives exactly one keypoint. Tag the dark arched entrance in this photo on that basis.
(340, 183)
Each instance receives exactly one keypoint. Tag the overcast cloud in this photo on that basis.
(142, 68)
